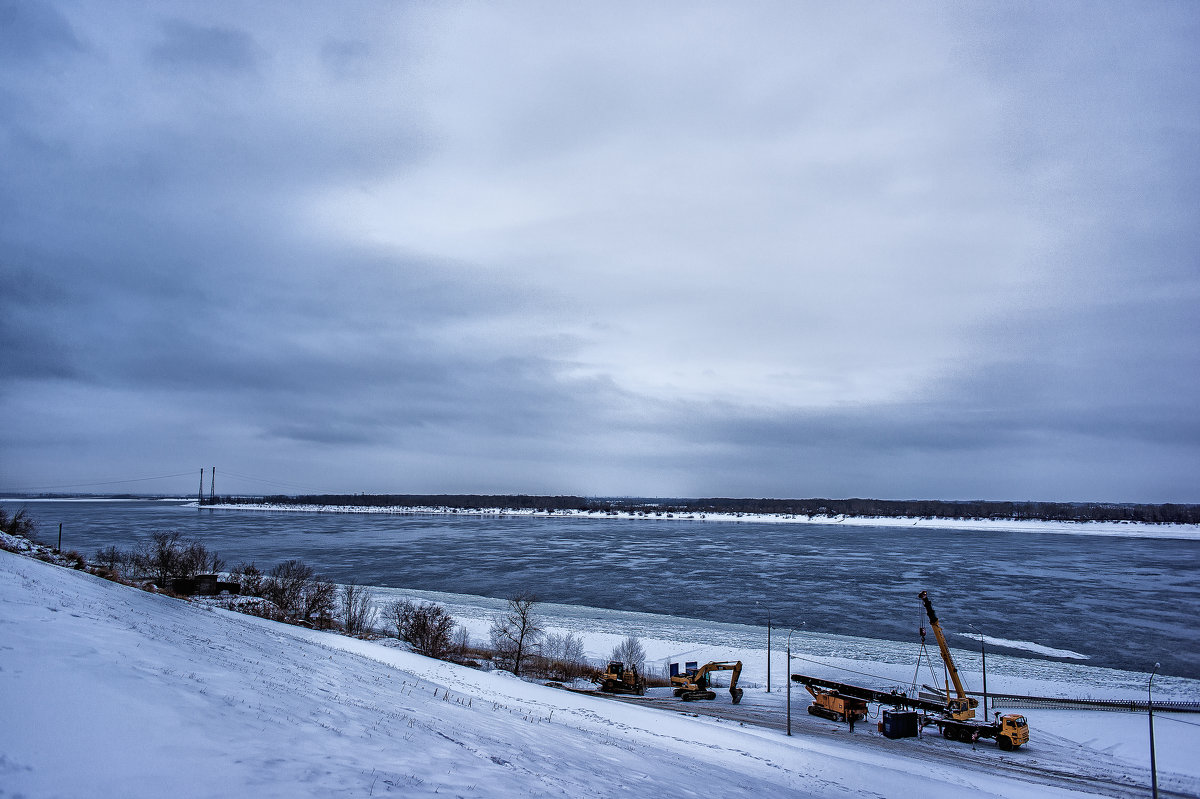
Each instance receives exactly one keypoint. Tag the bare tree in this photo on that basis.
(515, 632)
(358, 608)
(460, 641)
(285, 586)
(195, 558)
(250, 579)
(159, 558)
(631, 653)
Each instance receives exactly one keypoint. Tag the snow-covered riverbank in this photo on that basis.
(1186, 532)
(112, 691)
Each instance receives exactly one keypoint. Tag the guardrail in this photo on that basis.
(1059, 703)
(1068, 703)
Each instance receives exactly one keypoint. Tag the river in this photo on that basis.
(1122, 602)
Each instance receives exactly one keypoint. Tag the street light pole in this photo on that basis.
(1150, 709)
(789, 681)
(983, 650)
(768, 607)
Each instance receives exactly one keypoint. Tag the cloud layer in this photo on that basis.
(779, 250)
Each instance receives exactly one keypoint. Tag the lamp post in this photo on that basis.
(789, 681)
(769, 647)
(983, 650)
(1150, 709)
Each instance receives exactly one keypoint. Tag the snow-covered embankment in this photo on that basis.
(110, 691)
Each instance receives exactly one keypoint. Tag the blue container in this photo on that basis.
(900, 723)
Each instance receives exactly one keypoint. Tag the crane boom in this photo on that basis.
(962, 706)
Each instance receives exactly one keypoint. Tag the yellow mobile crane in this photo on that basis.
(958, 721)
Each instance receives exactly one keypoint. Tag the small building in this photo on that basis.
(202, 585)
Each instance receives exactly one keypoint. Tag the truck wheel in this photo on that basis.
(948, 732)
(1005, 743)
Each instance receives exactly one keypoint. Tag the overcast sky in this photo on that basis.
(942, 250)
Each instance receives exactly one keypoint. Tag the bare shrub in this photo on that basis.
(111, 558)
(427, 627)
(358, 608)
(19, 524)
(562, 657)
(250, 580)
(319, 602)
(159, 557)
(167, 554)
(285, 586)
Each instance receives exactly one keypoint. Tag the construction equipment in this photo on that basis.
(957, 720)
(893, 697)
(835, 706)
(617, 679)
(693, 683)
(838, 701)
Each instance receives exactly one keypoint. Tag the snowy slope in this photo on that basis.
(110, 691)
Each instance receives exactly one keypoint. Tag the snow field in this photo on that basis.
(109, 691)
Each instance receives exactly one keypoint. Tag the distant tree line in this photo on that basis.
(973, 509)
(1170, 513)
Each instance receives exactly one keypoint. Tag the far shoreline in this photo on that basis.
(1125, 529)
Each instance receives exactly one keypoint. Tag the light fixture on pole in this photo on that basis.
(983, 651)
(769, 646)
(1150, 709)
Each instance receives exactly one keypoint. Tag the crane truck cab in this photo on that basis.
(1012, 731)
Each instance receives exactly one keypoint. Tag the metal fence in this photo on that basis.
(1058, 703)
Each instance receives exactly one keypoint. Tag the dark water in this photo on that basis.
(1124, 602)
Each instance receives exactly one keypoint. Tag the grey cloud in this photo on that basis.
(186, 44)
(345, 58)
(945, 263)
(33, 31)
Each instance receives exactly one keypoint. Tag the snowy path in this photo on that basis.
(109, 691)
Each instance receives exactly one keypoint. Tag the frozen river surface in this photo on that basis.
(1109, 601)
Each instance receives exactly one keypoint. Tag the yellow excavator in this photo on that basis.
(958, 721)
(693, 683)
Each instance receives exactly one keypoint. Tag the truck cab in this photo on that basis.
(1013, 731)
